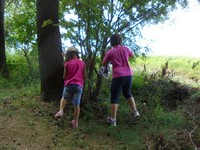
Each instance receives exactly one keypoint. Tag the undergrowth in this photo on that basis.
(164, 122)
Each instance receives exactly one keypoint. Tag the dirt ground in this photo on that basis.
(32, 126)
(29, 124)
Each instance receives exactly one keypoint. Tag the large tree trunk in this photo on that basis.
(3, 66)
(49, 46)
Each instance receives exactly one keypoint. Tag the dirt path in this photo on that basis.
(29, 125)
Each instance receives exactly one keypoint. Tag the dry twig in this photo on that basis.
(190, 135)
(146, 143)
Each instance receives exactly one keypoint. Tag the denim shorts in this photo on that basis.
(122, 83)
(73, 92)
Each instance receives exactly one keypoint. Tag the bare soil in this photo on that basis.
(29, 124)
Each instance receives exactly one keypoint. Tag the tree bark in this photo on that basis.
(3, 66)
(50, 49)
(99, 77)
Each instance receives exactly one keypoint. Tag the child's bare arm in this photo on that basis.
(64, 73)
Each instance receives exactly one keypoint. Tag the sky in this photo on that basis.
(178, 36)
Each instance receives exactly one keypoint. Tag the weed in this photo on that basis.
(195, 96)
(28, 123)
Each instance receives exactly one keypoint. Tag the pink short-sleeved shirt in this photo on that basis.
(119, 56)
(75, 72)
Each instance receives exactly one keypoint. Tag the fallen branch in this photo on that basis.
(190, 135)
(191, 116)
(146, 142)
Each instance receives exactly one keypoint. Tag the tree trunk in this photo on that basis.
(3, 66)
(99, 77)
(50, 49)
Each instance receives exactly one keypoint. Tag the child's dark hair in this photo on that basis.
(115, 39)
(70, 55)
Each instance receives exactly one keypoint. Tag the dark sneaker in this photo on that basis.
(111, 122)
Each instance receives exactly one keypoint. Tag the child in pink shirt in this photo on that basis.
(121, 77)
(74, 74)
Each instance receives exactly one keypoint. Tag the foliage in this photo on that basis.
(19, 72)
(195, 97)
(20, 29)
(177, 66)
(138, 80)
(89, 24)
(159, 127)
(89, 28)
(20, 26)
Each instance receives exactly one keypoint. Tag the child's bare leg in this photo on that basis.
(132, 104)
(113, 109)
(62, 104)
(76, 116)
(76, 112)
(113, 118)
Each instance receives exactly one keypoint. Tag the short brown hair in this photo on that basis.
(71, 52)
(115, 39)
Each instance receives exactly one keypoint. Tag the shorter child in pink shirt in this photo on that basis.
(74, 74)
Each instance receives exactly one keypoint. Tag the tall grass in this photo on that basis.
(20, 74)
(148, 89)
(21, 82)
(178, 63)
(184, 69)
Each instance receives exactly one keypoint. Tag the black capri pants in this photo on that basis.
(122, 83)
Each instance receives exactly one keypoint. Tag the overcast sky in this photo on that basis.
(179, 35)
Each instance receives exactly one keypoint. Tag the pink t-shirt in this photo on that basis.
(75, 72)
(119, 56)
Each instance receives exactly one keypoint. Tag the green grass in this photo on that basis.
(29, 123)
(182, 65)
(183, 69)
(34, 120)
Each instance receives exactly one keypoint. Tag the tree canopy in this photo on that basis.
(87, 25)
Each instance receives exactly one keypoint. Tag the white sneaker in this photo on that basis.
(104, 71)
(136, 115)
(111, 121)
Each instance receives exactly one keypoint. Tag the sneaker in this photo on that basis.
(104, 71)
(136, 115)
(58, 114)
(111, 121)
(74, 124)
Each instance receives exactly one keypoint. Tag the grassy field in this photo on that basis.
(167, 96)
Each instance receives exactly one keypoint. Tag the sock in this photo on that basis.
(113, 119)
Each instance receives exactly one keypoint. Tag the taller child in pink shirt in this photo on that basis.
(121, 76)
(74, 74)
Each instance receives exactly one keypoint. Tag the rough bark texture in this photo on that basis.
(49, 46)
(3, 67)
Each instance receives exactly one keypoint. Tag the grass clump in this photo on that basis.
(161, 126)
